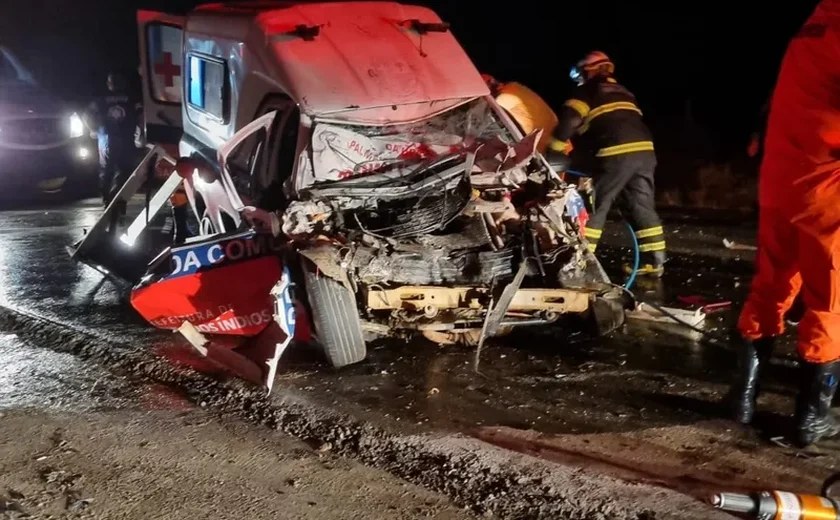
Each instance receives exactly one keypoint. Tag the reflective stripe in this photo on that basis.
(639, 146)
(593, 233)
(650, 232)
(592, 247)
(655, 246)
(578, 106)
(650, 269)
(606, 109)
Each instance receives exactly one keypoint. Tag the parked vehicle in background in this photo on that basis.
(44, 145)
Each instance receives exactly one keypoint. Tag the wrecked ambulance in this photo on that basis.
(404, 199)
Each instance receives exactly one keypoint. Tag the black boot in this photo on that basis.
(744, 391)
(818, 385)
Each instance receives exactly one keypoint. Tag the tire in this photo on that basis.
(336, 319)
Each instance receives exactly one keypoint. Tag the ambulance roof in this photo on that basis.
(364, 55)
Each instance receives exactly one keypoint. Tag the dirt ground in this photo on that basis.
(555, 426)
(190, 465)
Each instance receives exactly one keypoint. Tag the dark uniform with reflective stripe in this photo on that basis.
(115, 117)
(604, 120)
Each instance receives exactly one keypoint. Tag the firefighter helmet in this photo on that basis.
(596, 63)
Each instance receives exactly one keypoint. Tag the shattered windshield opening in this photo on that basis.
(348, 151)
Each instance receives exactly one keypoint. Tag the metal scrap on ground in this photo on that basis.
(736, 246)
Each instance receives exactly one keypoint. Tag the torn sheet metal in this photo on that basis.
(257, 359)
(129, 189)
(497, 156)
(220, 356)
(500, 307)
(644, 320)
(644, 312)
(307, 218)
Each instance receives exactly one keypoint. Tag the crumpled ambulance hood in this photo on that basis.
(367, 56)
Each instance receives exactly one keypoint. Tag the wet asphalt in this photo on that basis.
(641, 404)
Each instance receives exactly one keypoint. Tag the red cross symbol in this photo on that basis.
(167, 69)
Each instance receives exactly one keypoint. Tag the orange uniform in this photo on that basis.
(799, 195)
(529, 111)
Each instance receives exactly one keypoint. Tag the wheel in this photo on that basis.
(336, 319)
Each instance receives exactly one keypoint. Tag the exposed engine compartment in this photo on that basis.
(445, 228)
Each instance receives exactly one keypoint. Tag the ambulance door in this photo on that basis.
(161, 39)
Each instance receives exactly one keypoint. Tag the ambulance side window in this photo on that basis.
(207, 86)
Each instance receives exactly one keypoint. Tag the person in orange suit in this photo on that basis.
(799, 229)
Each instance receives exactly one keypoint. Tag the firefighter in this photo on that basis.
(605, 120)
(525, 107)
(754, 152)
(114, 117)
(799, 229)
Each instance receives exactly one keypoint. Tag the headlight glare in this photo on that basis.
(77, 126)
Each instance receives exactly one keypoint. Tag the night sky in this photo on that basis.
(703, 59)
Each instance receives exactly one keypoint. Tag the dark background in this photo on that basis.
(701, 70)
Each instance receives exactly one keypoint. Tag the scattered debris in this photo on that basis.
(646, 312)
(781, 442)
(707, 308)
(715, 307)
(60, 478)
(74, 502)
(738, 247)
(10, 506)
(51, 476)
